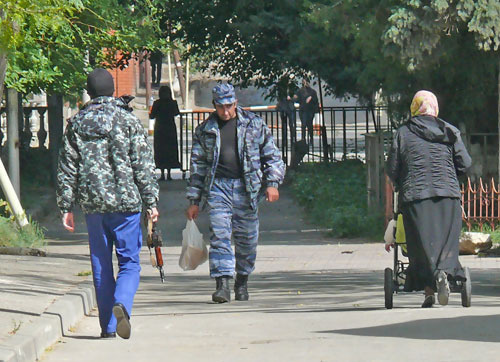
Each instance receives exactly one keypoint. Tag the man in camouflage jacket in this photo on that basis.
(234, 163)
(106, 166)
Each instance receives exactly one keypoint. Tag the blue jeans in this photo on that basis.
(124, 231)
(231, 215)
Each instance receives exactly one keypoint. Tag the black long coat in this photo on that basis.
(165, 133)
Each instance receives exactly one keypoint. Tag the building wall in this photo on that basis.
(125, 79)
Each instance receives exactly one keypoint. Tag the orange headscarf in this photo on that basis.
(424, 103)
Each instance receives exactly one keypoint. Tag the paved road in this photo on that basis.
(313, 298)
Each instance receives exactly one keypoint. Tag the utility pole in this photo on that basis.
(170, 81)
(13, 139)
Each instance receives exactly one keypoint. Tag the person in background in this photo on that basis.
(286, 107)
(166, 148)
(234, 163)
(156, 60)
(425, 159)
(308, 106)
(106, 166)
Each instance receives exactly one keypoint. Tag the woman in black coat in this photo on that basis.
(165, 132)
(425, 159)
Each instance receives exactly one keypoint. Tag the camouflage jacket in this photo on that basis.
(259, 157)
(106, 161)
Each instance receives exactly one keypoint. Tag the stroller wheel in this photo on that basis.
(466, 291)
(388, 287)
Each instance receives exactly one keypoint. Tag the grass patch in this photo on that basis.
(334, 196)
(31, 236)
(84, 273)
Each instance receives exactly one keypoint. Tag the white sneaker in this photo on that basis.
(443, 288)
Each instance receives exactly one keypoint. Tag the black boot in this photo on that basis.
(222, 293)
(240, 287)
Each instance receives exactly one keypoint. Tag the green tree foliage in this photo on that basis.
(417, 27)
(459, 40)
(51, 44)
(358, 47)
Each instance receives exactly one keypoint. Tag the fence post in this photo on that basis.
(375, 173)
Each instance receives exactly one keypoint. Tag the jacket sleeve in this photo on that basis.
(273, 166)
(393, 165)
(67, 171)
(143, 166)
(198, 170)
(461, 157)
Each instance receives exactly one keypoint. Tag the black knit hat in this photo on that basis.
(100, 83)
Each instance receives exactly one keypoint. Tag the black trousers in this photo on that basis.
(156, 73)
(306, 118)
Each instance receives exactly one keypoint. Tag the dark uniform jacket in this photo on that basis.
(260, 158)
(426, 156)
(106, 161)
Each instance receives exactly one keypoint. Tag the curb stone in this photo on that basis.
(29, 344)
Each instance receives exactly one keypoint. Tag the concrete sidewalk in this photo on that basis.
(313, 298)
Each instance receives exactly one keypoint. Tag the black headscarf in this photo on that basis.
(165, 93)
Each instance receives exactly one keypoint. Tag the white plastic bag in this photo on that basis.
(194, 251)
(389, 233)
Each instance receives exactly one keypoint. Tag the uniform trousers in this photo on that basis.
(123, 230)
(231, 215)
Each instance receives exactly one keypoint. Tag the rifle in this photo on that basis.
(154, 241)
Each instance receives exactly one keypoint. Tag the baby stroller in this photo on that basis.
(394, 279)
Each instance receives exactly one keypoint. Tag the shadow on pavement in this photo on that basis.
(290, 292)
(18, 312)
(89, 337)
(466, 328)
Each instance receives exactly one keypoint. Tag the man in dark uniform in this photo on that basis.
(234, 162)
(308, 106)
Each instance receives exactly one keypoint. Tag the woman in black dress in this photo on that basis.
(425, 159)
(165, 132)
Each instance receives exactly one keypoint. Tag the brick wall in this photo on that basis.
(125, 80)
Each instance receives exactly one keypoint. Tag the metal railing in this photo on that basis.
(338, 132)
(481, 204)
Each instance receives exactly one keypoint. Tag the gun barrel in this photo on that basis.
(162, 274)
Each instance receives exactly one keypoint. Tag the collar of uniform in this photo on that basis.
(212, 125)
(101, 100)
(243, 119)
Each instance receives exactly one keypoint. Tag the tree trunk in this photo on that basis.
(180, 75)
(3, 64)
(56, 118)
(147, 81)
(13, 142)
(498, 118)
(3, 69)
